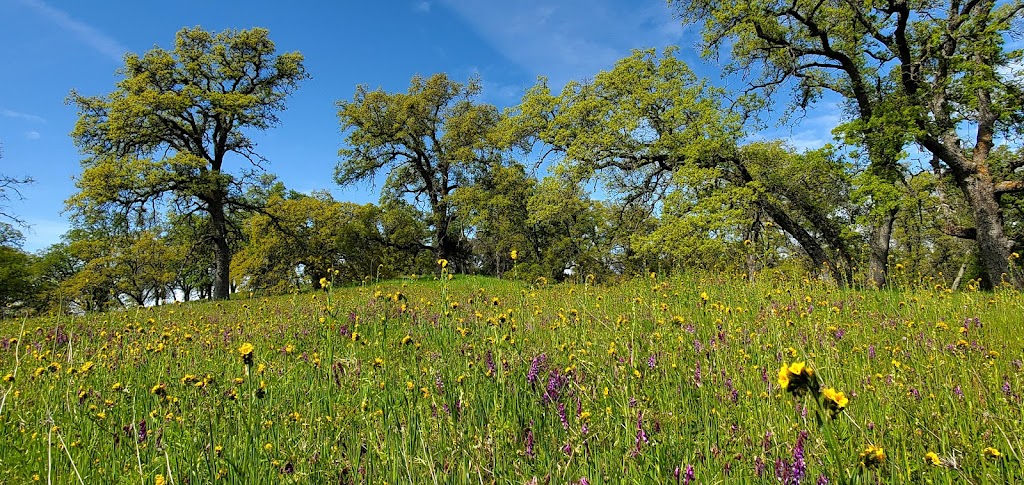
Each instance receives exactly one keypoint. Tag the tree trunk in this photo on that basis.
(221, 251)
(993, 244)
(446, 244)
(879, 244)
(819, 257)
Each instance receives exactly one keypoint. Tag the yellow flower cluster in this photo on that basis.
(246, 351)
(872, 456)
(835, 402)
(797, 378)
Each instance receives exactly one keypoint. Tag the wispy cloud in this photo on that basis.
(22, 116)
(422, 6)
(33, 135)
(569, 39)
(99, 41)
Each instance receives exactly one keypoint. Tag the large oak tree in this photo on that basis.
(429, 141)
(175, 123)
(938, 73)
(649, 124)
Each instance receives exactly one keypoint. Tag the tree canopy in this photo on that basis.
(428, 142)
(938, 74)
(169, 130)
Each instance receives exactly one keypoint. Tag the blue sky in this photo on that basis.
(49, 47)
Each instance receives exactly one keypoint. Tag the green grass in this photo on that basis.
(416, 381)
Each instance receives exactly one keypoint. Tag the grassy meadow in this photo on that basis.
(480, 380)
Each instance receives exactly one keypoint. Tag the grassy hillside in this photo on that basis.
(484, 380)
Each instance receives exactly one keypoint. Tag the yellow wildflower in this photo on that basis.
(991, 452)
(835, 401)
(872, 456)
(246, 351)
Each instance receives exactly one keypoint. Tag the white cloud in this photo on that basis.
(422, 6)
(32, 135)
(99, 41)
(569, 39)
(22, 116)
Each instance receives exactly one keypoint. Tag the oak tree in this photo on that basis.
(938, 73)
(427, 142)
(176, 123)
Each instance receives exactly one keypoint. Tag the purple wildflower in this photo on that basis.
(799, 468)
(651, 362)
(871, 351)
(553, 391)
(531, 376)
(822, 479)
(781, 470)
(562, 417)
(641, 437)
(567, 449)
(758, 466)
(689, 477)
(489, 359)
(529, 443)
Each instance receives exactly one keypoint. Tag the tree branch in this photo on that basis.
(960, 232)
(1009, 186)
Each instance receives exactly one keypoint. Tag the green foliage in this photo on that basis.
(631, 126)
(429, 142)
(704, 222)
(174, 121)
(303, 239)
(570, 233)
(16, 278)
(930, 73)
(496, 208)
